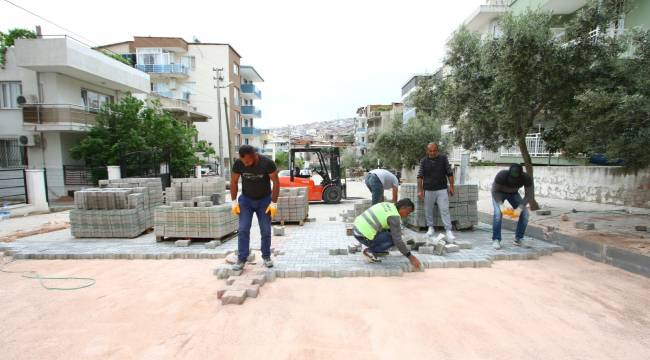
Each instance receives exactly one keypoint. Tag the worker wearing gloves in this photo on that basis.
(379, 180)
(506, 186)
(379, 228)
(257, 172)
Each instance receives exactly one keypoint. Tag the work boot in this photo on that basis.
(431, 231)
(268, 262)
(239, 265)
(451, 238)
(496, 244)
(370, 257)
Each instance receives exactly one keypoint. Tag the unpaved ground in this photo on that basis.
(560, 307)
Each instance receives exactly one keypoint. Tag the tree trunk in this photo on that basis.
(528, 163)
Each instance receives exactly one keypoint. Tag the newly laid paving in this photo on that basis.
(305, 251)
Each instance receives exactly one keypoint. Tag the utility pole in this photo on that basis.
(219, 78)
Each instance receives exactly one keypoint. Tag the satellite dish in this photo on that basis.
(24, 140)
(21, 100)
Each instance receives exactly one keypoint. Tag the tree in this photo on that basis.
(404, 145)
(282, 160)
(612, 116)
(128, 126)
(8, 39)
(496, 90)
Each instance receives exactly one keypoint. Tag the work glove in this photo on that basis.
(235, 208)
(272, 209)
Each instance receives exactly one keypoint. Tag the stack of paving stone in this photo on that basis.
(110, 212)
(293, 205)
(462, 206)
(361, 205)
(196, 218)
(185, 189)
(152, 187)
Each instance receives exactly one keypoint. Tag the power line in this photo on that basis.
(51, 22)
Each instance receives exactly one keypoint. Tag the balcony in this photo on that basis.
(536, 147)
(247, 130)
(66, 56)
(58, 117)
(250, 91)
(173, 70)
(482, 17)
(361, 130)
(251, 111)
(180, 109)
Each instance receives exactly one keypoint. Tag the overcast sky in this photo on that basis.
(320, 60)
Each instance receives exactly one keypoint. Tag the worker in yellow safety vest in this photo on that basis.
(379, 228)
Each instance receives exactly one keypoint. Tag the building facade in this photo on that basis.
(379, 118)
(408, 89)
(183, 80)
(51, 89)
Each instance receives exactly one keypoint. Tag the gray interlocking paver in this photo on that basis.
(303, 251)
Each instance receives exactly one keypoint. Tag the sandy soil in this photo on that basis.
(559, 307)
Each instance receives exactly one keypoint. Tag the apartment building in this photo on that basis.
(407, 89)
(250, 113)
(183, 80)
(379, 118)
(360, 145)
(50, 91)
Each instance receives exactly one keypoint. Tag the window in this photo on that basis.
(93, 101)
(11, 153)
(246, 141)
(237, 97)
(237, 120)
(235, 69)
(193, 62)
(9, 93)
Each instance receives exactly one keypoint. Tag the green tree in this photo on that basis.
(8, 39)
(404, 145)
(282, 160)
(611, 117)
(497, 90)
(128, 126)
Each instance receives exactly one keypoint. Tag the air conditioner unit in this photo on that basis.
(30, 140)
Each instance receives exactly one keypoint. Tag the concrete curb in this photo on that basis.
(618, 257)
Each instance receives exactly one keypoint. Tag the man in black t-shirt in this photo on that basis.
(256, 172)
(506, 187)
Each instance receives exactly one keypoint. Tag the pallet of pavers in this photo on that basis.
(109, 213)
(462, 207)
(197, 218)
(185, 189)
(293, 206)
(151, 186)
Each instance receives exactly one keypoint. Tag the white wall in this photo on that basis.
(204, 95)
(600, 184)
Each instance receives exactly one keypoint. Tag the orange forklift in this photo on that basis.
(331, 188)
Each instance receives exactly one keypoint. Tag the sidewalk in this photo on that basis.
(614, 240)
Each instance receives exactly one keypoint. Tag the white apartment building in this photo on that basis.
(379, 118)
(50, 91)
(408, 89)
(182, 78)
(360, 145)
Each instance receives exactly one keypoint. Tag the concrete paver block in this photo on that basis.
(585, 225)
(278, 230)
(450, 248)
(233, 297)
(463, 245)
(426, 250)
(543, 212)
(183, 243)
(212, 244)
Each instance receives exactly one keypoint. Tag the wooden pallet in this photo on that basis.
(284, 222)
(197, 239)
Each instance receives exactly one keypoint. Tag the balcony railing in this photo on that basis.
(536, 147)
(247, 130)
(362, 130)
(59, 114)
(163, 68)
(252, 90)
(250, 110)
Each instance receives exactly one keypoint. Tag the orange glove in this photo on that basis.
(235, 208)
(511, 213)
(272, 209)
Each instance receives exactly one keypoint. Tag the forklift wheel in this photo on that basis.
(332, 195)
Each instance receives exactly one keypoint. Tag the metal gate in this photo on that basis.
(13, 186)
(149, 163)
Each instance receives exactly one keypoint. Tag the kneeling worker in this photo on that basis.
(379, 228)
